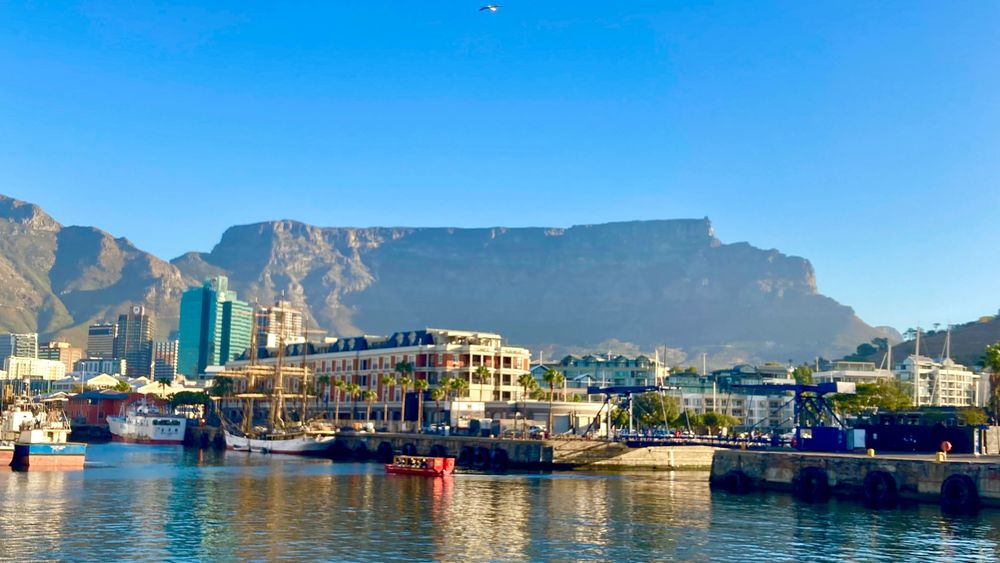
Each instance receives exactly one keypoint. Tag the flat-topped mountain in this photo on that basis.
(643, 284)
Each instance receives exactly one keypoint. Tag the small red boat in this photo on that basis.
(421, 465)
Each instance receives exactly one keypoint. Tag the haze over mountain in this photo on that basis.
(631, 285)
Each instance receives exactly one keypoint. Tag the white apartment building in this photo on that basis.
(853, 372)
(18, 368)
(940, 383)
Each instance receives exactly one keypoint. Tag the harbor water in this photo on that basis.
(167, 503)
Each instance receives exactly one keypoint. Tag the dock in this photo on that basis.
(497, 453)
(957, 483)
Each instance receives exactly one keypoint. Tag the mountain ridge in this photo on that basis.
(665, 282)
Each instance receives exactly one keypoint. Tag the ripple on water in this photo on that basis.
(166, 503)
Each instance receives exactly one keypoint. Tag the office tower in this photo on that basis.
(135, 341)
(279, 323)
(101, 340)
(215, 327)
(60, 352)
(164, 360)
(19, 345)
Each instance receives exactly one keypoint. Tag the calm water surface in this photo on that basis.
(167, 503)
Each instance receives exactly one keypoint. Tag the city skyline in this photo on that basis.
(858, 136)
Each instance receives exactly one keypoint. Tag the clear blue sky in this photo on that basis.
(864, 136)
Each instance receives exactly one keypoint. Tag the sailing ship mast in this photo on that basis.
(248, 406)
(305, 372)
(278, 390)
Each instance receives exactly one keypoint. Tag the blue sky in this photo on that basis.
(864, 136)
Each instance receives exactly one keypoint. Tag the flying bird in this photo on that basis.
(490, 7)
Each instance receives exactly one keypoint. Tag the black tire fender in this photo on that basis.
(959, 494)
(880, 489)
(813, 485)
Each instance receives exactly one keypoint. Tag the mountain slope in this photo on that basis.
(630, 285)
(648, 283)
(56, 280)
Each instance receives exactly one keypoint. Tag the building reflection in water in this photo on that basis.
(167, 503)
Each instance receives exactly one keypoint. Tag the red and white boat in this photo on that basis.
(421, 465)
(143, 423)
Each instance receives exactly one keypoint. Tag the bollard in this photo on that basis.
(871, 452)
(940, 457)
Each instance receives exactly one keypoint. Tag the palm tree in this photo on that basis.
(437, 394)
(403, 372)
(386, 381)
(553, 378)
(420, 386)
(352, 391)
(323, 382)
(370, 397)
(446, 384)
(528, 384)
(404, 384)
(481, 374)
(460, 386)
(338, 389)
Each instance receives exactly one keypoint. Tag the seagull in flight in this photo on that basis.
(490, 7)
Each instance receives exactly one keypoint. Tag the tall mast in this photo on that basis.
(305, 370)
(278, 393)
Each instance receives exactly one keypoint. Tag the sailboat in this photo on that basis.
(278, 435)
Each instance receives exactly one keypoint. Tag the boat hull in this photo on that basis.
(6, 455)
(66, 455)
(390, 468)
(300, 445)
(147, 429)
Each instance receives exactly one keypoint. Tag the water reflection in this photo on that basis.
(162, 503)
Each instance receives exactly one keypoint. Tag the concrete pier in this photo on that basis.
(496, 453)
(958, 483)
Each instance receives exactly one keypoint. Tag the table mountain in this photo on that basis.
(642, 283)
(633, 285)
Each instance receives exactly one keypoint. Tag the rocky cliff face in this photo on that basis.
(56, 280)
(638, 284)
(647, 283)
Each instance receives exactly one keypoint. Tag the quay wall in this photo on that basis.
(958, 483)
(497, 453)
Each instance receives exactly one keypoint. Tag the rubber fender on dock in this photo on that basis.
(481, 459)
(959, 494)
(879, 489)
(437, 450)
(499, 460)
(737, 482)
(813, 485)
(384, 453)
(360, 451)
(409, 449)
(465, 456)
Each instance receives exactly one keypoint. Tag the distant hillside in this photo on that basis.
(967, 343)
(56, 280)
(632, 285)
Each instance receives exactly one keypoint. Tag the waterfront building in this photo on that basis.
(164, 360)
(940, 383)
(61, 352)
(720, 392)
(90, 367)
(433, 355)
(583, 371)
(279, 323)
(215, 327)
(19, 368)
(23, 345)
(853, 372)
(101, 339)
(135, 341)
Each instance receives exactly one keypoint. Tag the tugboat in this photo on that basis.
(42, 442)
(421, 465)
(143, 423)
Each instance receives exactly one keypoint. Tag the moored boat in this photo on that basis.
(43, 441)
(421, 465)
(291, 443)
(143, 423)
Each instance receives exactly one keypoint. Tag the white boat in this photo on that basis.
(295, 443)
(42, 437)
(143, 423)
